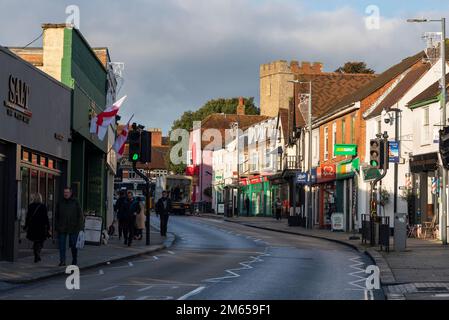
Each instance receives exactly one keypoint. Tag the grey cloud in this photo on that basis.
(180, 53)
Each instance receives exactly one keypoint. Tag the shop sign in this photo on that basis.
(326, 173)
(221, 208)
(338, 221)
(347, 168)
(301, 178)
(345, 149)
(369, 173)
(393, 151)
(17, 105)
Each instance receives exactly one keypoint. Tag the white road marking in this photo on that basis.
(145, 289)
(155, 257)
(130, 264)
(441, 295)
(192, 293)
(108, 288)
(355, 274)
(245, 265)
(171, 252)
(101, 272)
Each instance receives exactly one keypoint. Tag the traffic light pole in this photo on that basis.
(147, 201)
(443, 115)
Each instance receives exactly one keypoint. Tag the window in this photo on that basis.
(426, 127)
(353, 129)
(315, 146)
(334, 137)
(343, 131)
(326, 143)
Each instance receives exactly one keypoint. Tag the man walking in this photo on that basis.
(122, 207)
(163, 209)
(130, 219)
(69, 221)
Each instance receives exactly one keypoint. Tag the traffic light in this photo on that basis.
(145, 154)
(444, 146)
(134, 141)
(376, 152)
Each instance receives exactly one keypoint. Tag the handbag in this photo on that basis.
(80, 241)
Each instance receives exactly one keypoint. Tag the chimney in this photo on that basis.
(241, 107)
(156, 137)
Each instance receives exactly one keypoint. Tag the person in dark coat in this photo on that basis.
(69, 221)
(247, 207)
(122, 207)
(163, 209)
(130, 219)
(278, 208)
(37, 225)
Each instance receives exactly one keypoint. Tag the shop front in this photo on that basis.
(34, 147)
(423, 202)
(256, 197)
(327, 190)
(346, 190)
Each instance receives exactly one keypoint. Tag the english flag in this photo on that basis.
(100, 123)
(120, 141)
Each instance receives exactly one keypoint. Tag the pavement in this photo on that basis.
(420, 272)
(24, 270)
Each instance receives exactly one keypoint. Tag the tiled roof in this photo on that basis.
(223, 121)
(328, 88)
(432, 92)
(416, 72)
(376, 83)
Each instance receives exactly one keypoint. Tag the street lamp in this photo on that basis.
(309, 165)
(443, 116)
(235, 126)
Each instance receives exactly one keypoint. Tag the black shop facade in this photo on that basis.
(34, 147)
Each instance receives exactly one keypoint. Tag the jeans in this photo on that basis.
(129, 228)
(164, 223)
(73, 237)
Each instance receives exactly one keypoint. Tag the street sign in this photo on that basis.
(393, 151)
(345, 149)
(370, 173)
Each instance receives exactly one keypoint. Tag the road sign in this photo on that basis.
(370, 173)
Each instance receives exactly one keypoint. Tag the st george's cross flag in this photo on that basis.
(100, 123)
(120, 141)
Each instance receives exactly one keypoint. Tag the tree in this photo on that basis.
(221, 105)
(355, 67)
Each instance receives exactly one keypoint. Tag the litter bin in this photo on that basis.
(400, 231)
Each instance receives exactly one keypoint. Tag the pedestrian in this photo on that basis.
(69, 221)
(37, 225)
(278, 207)
(247, 206)
(122, 207)
(163, 209)
(140, 221)
(130, 219)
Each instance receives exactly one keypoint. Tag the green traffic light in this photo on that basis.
(374, 163)
(135, 157)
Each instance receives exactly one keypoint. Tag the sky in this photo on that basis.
(178, 54)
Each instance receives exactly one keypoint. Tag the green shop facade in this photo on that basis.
(261, 195)
(82, 71)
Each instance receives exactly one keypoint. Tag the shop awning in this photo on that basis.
(424, 162)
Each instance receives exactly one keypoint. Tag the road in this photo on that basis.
(213, 259)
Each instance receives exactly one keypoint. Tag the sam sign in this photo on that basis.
(345, 149)
(393, 151)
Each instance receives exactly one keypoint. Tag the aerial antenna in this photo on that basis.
(117, 69)
(433, 41)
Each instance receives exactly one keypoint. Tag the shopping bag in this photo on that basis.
(80, 240)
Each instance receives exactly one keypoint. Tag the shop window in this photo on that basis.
(43, 161)
(24, 198)
(51, 164)
(25, 156)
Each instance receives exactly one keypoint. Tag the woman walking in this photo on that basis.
(140, 221)
(37, 225)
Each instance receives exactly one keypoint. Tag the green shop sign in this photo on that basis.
(345, 149)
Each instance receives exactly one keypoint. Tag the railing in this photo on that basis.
(291, 162)
(376, 231)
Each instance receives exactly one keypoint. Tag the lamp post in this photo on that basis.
(443, 118)
(235, 126)
(396, 137)
(309, 155)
